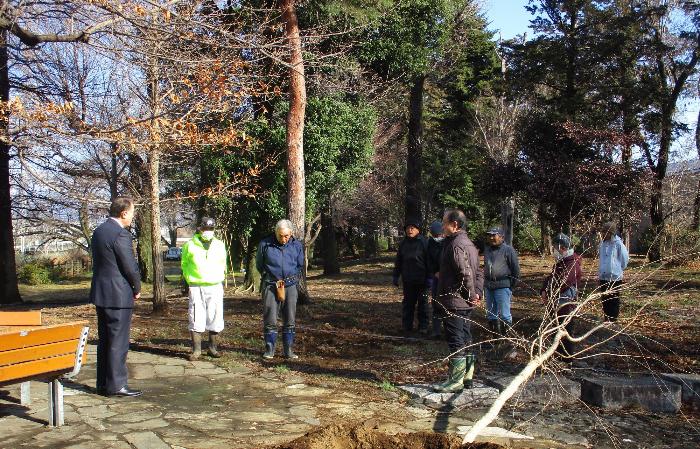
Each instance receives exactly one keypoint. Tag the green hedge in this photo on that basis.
(34, 273)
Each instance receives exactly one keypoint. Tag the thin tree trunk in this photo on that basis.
(296, 182)
(656, 215)
(507, 219)
(9, 291)
(545, 238)
(415, 149)
(251, 282)
(696, 205)
(159, 302)
(330, 245)
(143, 244)
(113, 173)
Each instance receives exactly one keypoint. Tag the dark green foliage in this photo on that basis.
(407, 39)
(338, 151)
(34, 273)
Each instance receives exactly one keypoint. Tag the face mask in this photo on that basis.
(207, 235)
(562, 255)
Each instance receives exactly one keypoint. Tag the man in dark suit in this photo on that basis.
(116, 283)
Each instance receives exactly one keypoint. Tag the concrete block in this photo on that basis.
(542, 389)
(479, 396)
(690, 388)
(651, 393)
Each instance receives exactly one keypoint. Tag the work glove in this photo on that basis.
(395, 281)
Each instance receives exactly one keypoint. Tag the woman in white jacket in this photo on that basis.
(613, 261)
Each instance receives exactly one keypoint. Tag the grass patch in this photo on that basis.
(282, 369)
(387, 386)
(404, 350)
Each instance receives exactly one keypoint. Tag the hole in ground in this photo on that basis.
(363, 437)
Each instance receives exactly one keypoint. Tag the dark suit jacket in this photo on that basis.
(115, 276)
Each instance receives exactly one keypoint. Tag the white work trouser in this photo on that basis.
(206, 308)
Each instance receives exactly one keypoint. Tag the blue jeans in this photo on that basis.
(498, 304)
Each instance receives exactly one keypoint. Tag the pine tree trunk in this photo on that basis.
(415, 150)
(296, 182)
(9, 291)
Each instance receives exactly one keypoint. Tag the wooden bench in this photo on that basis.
(44, 353)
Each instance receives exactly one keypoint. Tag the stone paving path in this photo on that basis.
(198, 405)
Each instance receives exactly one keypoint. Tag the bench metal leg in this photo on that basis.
(55, 403)
(25, 394)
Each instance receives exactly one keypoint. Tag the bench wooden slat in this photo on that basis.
(40, 336)
(36, 367)
(15, 356)
(20, 318)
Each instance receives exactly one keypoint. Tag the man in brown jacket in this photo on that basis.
(460, 286)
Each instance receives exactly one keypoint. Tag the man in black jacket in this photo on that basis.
(460, 287)
(412, 265)
(116, 283)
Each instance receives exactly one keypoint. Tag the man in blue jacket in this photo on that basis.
(116, 283)
(613, 261)
(280, 261)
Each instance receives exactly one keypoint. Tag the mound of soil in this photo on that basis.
(364, 437)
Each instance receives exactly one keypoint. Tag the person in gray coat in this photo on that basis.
(501, 273)
(116, 283)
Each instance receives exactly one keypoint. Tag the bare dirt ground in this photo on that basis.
(350, 336)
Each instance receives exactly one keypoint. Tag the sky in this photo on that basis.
(510, 18)
(507, 16)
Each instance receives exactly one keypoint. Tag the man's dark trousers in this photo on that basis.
(414, 294)
(115, 283)
(611, 299)
(457, 324)
(113, 327)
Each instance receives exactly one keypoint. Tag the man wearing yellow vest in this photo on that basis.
(204, 269)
